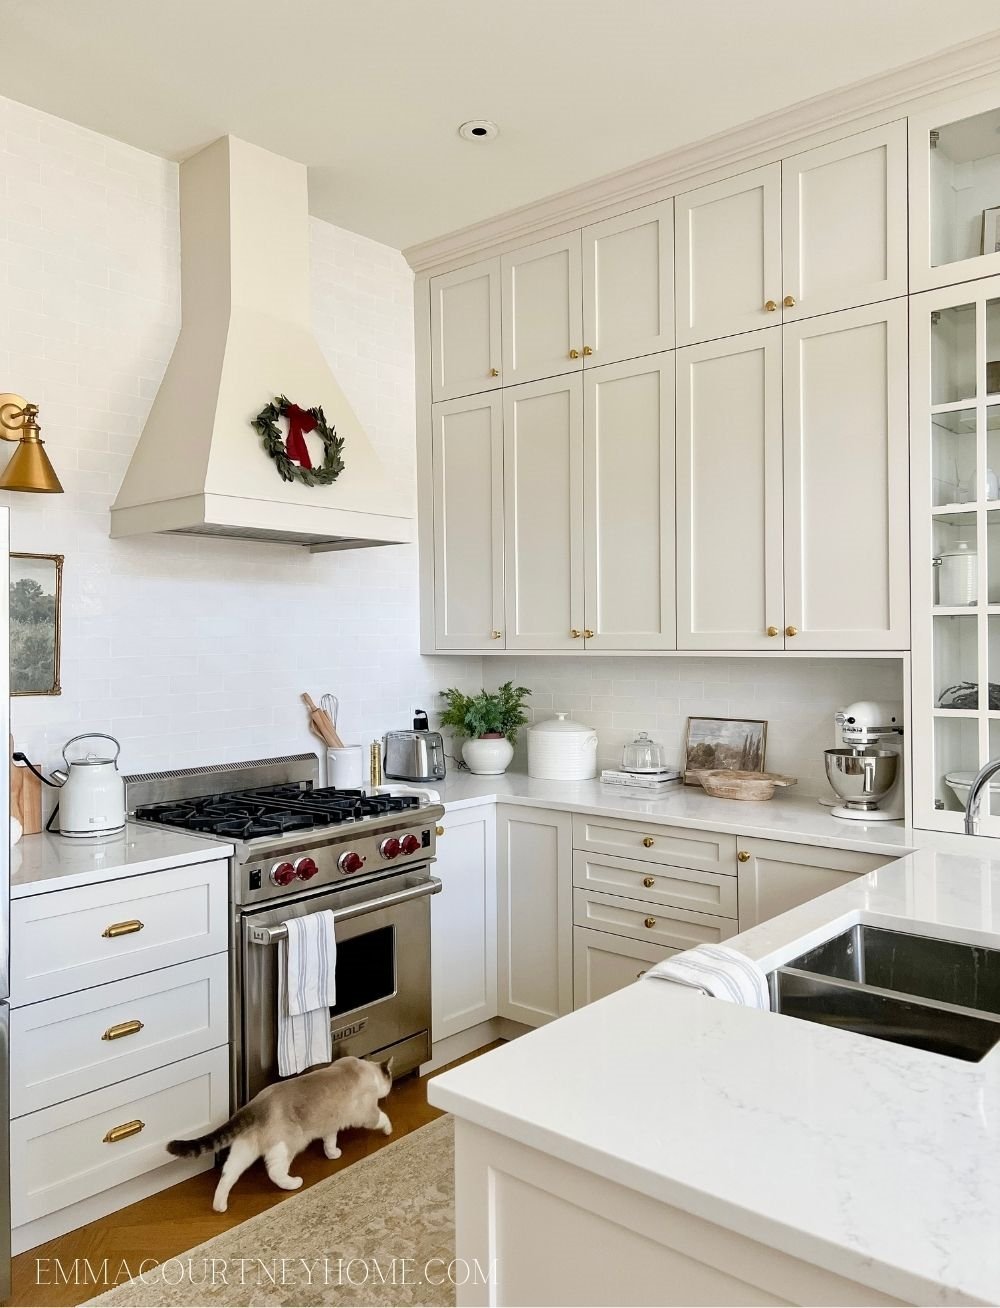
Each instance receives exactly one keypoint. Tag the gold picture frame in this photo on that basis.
(730, 744)
(35, 604)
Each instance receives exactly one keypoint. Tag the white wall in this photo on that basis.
(195, 650)
(621, 696)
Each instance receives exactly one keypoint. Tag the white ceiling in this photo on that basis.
(370, 93)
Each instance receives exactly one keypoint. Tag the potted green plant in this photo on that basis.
(490, 721)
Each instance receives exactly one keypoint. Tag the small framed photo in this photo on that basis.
(991, 231)
(35, 623)
(732, 744)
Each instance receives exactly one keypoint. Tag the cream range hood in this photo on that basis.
(199, 467)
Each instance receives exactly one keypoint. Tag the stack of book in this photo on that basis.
(646, 781)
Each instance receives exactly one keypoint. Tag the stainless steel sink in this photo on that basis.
(912, 990)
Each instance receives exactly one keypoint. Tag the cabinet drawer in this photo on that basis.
(59, 1155)
(675, 928)
(60, 941)
(603, 963)
(704, 892)
(77, 1043)
(655, 843)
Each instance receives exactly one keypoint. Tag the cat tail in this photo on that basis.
(217, 1139)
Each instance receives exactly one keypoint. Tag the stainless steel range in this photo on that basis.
(302, 849)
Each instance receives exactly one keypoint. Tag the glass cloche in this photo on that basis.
(644, 755)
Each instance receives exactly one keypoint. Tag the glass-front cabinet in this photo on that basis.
(955, 192)
(955, 515)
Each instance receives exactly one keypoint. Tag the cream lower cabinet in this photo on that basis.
(776, 875)
(534, 914)
(604, 963)
(464, 923)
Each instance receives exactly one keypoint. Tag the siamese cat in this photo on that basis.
(285, 1117)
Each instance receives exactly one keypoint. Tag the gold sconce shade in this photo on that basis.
(29, 468)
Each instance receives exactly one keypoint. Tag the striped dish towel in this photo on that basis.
(718, 971)
(307, 989)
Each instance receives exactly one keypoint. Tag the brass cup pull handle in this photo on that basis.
(649, 922)
(587, 351)
(772, 631)
(124, 1131)
(648, 841)
(789, 301)
(743, 856)
(494, 372)
(588, 633)
(496, 634)
(770, 306)
(649, 882)
(576, 634)
(122, 1029)
(439, 831)
(791, 631)
(117, 929)
(574, 354)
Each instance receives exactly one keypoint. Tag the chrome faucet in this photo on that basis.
(975, 797)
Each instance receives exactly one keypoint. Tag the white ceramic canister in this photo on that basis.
(958, 575)
(345, 768)
(561, 750)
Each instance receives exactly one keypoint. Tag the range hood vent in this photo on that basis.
(199, 467)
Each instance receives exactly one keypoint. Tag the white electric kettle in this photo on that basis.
(92, 791)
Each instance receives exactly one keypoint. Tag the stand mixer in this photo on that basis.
(867, 772)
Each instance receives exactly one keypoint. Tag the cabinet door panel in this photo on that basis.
(465, 331)
(542, 310)
(543, 514)
(729, 572)
(468, 523)
(778, 875)
(845, 436)
(534, 914)
(464, 925)
(603, 963)
(844, 223)
(629, 504)
(628, 284)
(729, 256)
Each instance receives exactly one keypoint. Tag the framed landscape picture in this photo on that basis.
(35, 623)
(730, 744)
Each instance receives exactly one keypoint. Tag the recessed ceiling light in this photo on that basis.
(479, 129)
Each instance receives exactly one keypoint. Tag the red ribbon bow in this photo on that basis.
(300, 423)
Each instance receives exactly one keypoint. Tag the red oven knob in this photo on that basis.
(283, 874)
(389, 847)
(351, 862)
(305, 868)
(409, 844)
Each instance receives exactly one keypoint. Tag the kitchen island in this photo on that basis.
(661, 1147)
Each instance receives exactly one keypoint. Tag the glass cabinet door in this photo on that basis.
(955, 488)
(955, 192)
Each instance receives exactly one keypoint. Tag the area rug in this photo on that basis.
(382, 1231)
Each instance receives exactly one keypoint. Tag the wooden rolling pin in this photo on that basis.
(321, 725)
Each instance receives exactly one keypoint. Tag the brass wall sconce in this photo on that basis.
(29, 468)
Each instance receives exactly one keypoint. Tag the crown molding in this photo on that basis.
(941, 72)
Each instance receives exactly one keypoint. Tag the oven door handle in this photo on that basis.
(262, 935)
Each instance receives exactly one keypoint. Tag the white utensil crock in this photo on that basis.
(345, 767)
(561, 750)
(488, 756)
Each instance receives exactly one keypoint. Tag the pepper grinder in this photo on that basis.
(374, 765)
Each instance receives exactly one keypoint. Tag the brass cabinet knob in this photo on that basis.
(496, 634)
(117, 929)
(770, 306)
(439, 831)
(772, 631)
(124, 1131)
(576, 634)
(574, 354)
(791, 631)
(122, 1029)
(587, 351)
(494, 372)
(789, 301)
(648, 841)
(649, 922)
(743, 856)
(648, 882)
(588, 633)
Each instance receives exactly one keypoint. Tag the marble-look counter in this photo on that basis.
(47, 862)
(872, 1160)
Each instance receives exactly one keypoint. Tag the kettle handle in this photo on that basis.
(92, 735)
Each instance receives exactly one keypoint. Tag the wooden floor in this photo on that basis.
(168, 1223)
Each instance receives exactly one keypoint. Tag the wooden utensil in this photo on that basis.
(25, 797)
(321, 724)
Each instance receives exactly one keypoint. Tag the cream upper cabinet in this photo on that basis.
(542, 315)
(465, 331)
(728, 244)
(628, 285)
(845, 445)
(729, 569)
(629, 504)
(543, 514)
(468, 529)
(843, 223)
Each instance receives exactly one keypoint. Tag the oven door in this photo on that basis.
(383, 932)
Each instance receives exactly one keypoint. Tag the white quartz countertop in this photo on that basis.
(47, 862)
(872, 1160)
(789, 816)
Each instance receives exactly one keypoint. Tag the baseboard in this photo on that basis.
(476, 1037)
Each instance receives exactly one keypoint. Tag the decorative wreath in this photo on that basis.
(291, 455)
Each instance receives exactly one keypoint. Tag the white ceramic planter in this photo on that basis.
(488, 756)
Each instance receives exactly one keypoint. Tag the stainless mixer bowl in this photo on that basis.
(861, 778)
